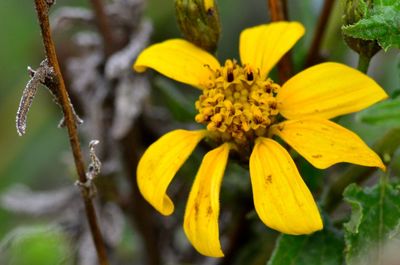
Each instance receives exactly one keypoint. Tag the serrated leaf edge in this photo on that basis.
(356, 209)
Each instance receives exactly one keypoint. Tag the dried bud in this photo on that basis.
(354, 10)
(199, 22)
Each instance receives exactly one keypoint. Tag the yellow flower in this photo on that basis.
(242, 110)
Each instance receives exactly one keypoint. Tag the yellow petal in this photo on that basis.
(324, 143)
(263, 46)
(180, 60)
(202, 210)
(160, 163)
(327, 90)
(281, 198)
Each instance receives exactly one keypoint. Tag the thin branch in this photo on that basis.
(104, 27)
(277, 9)
(313, 53)
(278, 12)
(385, 147)
(42, 8)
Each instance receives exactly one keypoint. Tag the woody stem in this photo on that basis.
(42, 9)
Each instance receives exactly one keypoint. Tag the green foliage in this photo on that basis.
(37, 245)
(373, 231)
(380, 22)
(383, 113)
(181, 107)
(321, 248)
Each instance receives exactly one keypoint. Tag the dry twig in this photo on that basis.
(42, 8)
(37, 77)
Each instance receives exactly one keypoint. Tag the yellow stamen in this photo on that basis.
(237, 104)
(208, 4)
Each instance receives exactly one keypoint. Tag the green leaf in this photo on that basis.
(373, 233)
(383, 113)
(35, 245)
(380, 23)
(321, 248)
(181, 107)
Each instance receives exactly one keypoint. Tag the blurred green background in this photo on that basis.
(40, 158)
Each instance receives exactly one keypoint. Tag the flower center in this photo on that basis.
(237, 104)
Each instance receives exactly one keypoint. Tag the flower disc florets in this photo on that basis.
(237, 104)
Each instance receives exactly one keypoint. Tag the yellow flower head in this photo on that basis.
(243, 109)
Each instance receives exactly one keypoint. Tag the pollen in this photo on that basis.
(237, 104)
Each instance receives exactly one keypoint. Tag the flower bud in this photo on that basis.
(199, 22)
(354, 10)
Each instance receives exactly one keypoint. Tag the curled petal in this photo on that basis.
(281, 198)
(324, 143)
(160, 163)
(202, 210)
(263, 46)
(180, 60)
(327, 90)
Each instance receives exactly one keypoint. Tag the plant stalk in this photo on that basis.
(313, 53)
(42, 9)
(363, 63)
(278, 12)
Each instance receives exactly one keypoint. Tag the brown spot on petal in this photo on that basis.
(209, 211)
(196, 208)
(317, 156)
(268, 179)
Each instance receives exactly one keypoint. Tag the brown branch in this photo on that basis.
(104, 27)
(42, 8)
(313, 53)
(278, 12)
